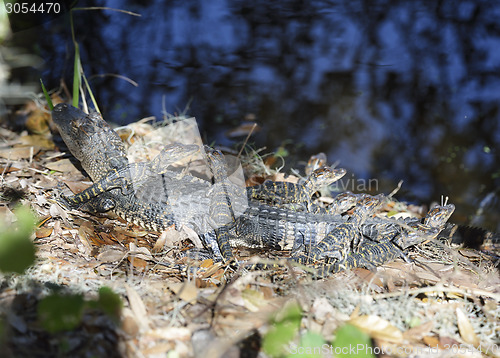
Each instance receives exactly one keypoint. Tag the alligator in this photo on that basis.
(390, 244)
(338, 241)
(278, 193)
(163, 196)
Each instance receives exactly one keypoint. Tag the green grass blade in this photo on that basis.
(76, 65)
(47, 97)
(90, 93)
(76, 77)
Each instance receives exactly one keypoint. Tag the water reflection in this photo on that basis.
(406, 90)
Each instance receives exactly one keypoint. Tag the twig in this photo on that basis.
(246, 140)
(396, 189)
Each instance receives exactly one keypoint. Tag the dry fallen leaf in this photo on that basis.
(140, 252)
(17, 153)
(431, 341)
(43, 232)
(416, 333)
(63, 165)
(289, 178)
(129, 323)
(171, 333)
(77, 186)
(378, 328)
(8, 169)
(465, 328)
(111, 253)
(38, 141)
(368, 277)
(186, 291)
(138, 308)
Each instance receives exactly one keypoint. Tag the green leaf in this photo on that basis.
(17, 252)
(291, 312)
(311, 346)
(286, 324)
(110, 303)
(60, 312)
(276, 339)
(350, 341)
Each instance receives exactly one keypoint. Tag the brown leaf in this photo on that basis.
(214, 271)
(431, 341)
(111, 254)
(289, 178)
(43, 232)
(37, 120)
(8, 169)
(138, 263)
(377, 328)
(18, 153)
(38, 141)
(128, 323)
(368, 276)
(107, 238)
(465, 328)
(186, 291)
(418, 332)
(254, 180)
(63, 165)
(138, 308)
(448, 342)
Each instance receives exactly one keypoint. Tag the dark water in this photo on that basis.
(406, 90)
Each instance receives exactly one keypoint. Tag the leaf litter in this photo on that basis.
(445, 301)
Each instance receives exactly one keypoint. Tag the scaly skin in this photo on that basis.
(91, 140)
(278, 193)
(95, 144)
(132, 177)
(387, 248)
(337, 242)
(221, 203)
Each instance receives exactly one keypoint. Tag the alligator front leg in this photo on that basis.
(132, 177)
(109, 183)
